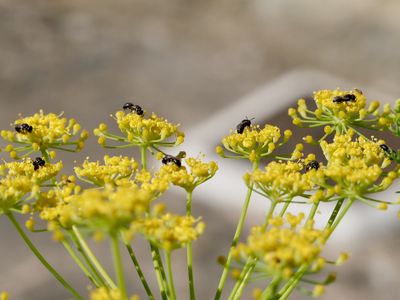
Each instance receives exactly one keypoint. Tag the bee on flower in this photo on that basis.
(189, 178)
(338, 111)
(253, 142)
(42, 132)
(38, 174)
(283, 180)
(138, 130)
(356, 166)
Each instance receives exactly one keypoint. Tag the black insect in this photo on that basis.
(389, 152)
(133, 108)
(242, 125)
(170, 159)
(38, 162)
(312, 165)
(23, 128)
(385, 148)
(344, 98)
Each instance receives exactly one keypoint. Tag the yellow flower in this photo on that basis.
(108, 209)
(180, 176)
(356, 165)
(170, 231)
(3, 296)
(114, 169)
(325, 99)
(340, 110)
(141, 131)
(45, 131)
(254, 143)
(282, 180)
(12, 190)
(102, 293)
(154, 185)
(282, 250)
(318, 290)
(27, 168)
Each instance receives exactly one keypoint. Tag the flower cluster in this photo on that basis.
(280, 250)
(339, 111)
(169, 231)
(37, 174)
(107, 209)
(140, 131)
(356, 165)
(283, 180)
(112, 171)
(254, 142)
(180, 176)
(41, 132)
(119, 201)
(13, 190)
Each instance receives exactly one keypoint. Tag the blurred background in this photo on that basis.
(205, 64)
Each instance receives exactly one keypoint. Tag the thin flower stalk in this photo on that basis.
(40, 257)
(118, 265)
(235, 239)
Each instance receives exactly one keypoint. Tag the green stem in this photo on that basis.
(244, 281)
(334, 213)
(92, 257)
(235, 239)
(189, 197)
(284, 208)
(270, 292)
(45, 154)
(241, 277)
(118, 266)
(189, 253)
(313, 211)
(80, 264)
(292, 283)
(155, 255)
(270, 214)
(41, 258)
(170, 276)
(340, 217)
(189, 250)
(139, 270)
(86, 258)
(143, 150)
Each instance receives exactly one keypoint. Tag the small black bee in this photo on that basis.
(38, 162)
(389, 152)
(169, 159)
(312, 165)
(133, 108)
(344, 98)
(242, 125)
(385, 148)
(23, 128)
